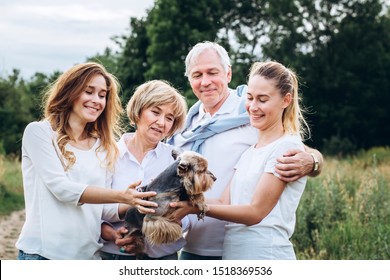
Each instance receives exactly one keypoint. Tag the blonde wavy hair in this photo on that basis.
(59, 99)
(286, 81)
(155, 93)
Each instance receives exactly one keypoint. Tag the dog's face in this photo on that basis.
(196, 177)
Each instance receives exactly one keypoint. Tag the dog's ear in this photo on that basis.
(175, 154)
(183, 166)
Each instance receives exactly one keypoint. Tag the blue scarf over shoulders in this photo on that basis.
(200, 133)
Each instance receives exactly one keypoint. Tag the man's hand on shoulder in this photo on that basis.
(296, 163)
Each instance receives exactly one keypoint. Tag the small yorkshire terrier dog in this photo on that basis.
(185, 179)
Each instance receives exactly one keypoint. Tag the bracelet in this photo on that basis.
(203, 212)
(316, 162)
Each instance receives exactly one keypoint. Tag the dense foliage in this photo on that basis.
(339, 48)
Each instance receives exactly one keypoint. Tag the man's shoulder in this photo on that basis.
(240, 90)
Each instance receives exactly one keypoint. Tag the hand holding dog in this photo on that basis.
(136, 198)
(119, 236)
(183, 208)
(125, 242)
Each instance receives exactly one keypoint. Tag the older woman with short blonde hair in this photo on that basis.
(157, 111)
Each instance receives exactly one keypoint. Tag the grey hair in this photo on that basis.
(207, 45)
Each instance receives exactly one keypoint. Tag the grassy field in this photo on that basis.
(344, 213)
(11, 187)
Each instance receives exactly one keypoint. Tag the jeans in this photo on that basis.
(29, 257)
(168, 257)
(108, 256)
(189, 256)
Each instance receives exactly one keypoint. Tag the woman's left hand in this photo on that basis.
(183, 208)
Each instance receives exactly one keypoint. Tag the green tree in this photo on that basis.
(245, 27)
(109, 59)
(132, 58)
(15, 112)
(340, 50)
(351, 84)
(174, 27)
(35, 89)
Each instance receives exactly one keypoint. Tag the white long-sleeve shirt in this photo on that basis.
(57, 226)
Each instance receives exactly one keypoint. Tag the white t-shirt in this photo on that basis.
(128, 170)
(268, 239)
(57, 226)
(222, 151)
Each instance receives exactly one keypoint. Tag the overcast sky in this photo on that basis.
(48, 35)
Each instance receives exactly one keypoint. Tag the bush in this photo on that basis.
(9, 201)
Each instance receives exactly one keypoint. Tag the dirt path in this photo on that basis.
(10, 227)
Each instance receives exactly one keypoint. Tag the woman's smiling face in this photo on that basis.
(91, 102)
(265, 104)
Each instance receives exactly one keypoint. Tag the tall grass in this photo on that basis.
(11, 186)
(345, 212)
